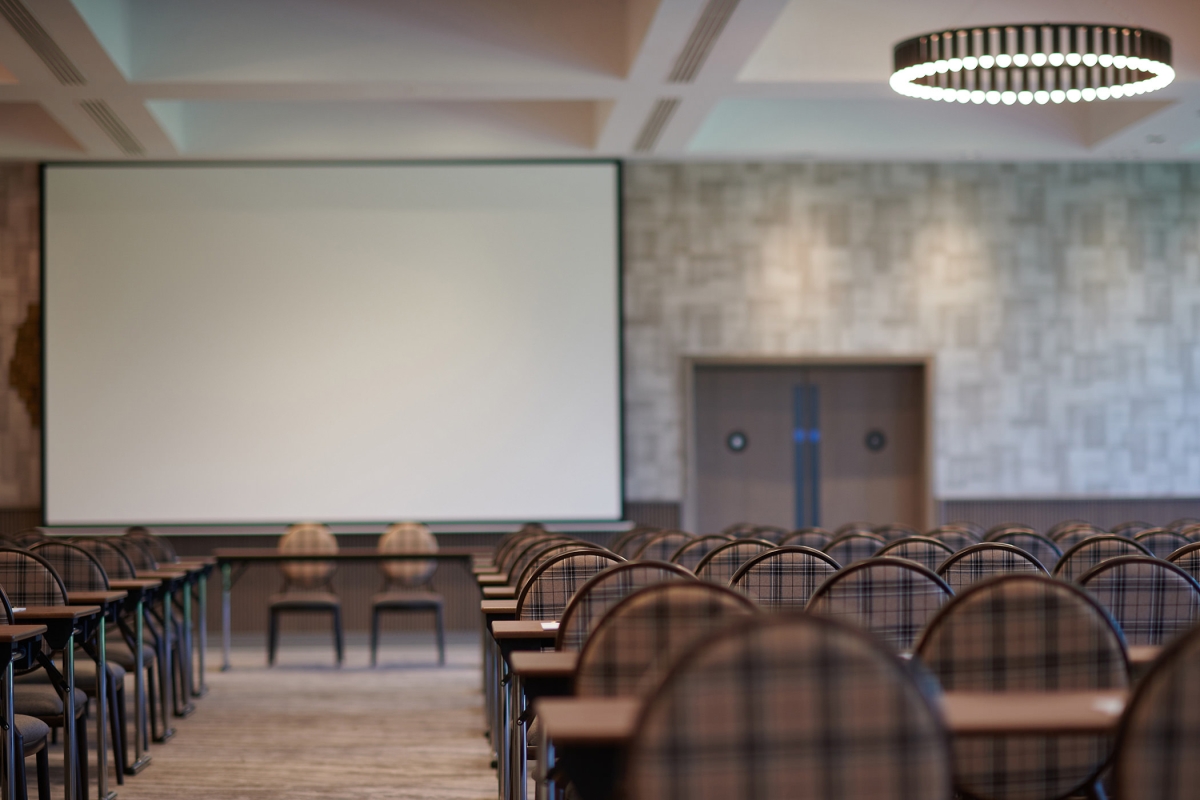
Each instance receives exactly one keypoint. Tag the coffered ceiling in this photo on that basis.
(663, 79)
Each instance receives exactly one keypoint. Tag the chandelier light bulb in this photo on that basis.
(1020, 60)
(970, 62)
(1105, 60)
(977, 97)
(1041, 98)
(1038, 59)
(1004, 60)
(1074, 95)
(1009, 98)
(1074, 59)
(1025, 98)
(987, 62)
(1057, 59)
(1088, 95)
(1057, 96)
(993, 98)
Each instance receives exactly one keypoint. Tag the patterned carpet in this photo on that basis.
(307, 730)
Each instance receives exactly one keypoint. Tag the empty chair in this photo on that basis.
(531, 551)
(1007, 527)
(603, 591)
(1158, 750)
(853, 527)
(1068, 538)
(1025, 633)
(1152, 600)
(1188, 558)
(850, 548)
(662, 546)
(720, 564)
(693, 552)
(407, 585)
(307, 585)
(954, 537)
(550, 553)
(890, 597)
(784, 578)
(628, 543)
(637, 641)
(774, 708)
(1040, 547)
(768, 533)
(739, 530)
(505, 563)
(894, 530)
(160, 548)
(1091, 551)
(26, 538)
(927, 552)
(973, 528)
(986, 560)
(1160, 541)
(1191, 532)
(1130, 529)
(816, 538)
(545, 595)
(1059, 527)
(1177, 525)
(33, 734)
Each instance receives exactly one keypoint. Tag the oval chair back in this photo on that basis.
(954, 538)
(1040, 547)
(853, 527)
(511, 540)
(632, 544)
(850, 548)
(26, 538)
(603, 591)
(987, 560)
(79, 570)
(1152, 600)
(720, 563)
(30, 580)
(692, 553)
(137, 552)
(407, 537)
(768, 533)
(1072, 536)
(1054, 530)
(1009, 527)
(552, 585)
(1131, 529)
(1161, 542)
(307, 537)
(739, 530)
(925, 550)
(662, 546)
(637, 641)
(1091, 551)
(160, 548)
(816, 538)
(783, 578)
(532, 551)
(735, 714)
(1178, 525)
(515, 561)
(548, 553)
(894, 531)
(1188, 558)
(1025, 633)
(638, 530)
(973, 528)
(116, 564)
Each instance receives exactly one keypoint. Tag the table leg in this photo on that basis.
(226, 590)
(202, 634)
(141, 728)
(185, 656)
(101, 715)
(70, 754)
(10, 735)
(165, 678)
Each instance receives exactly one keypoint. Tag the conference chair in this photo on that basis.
(768, 533)
(1158, 745)
(548, 590)
(1040, 547)
(662, 545)
(892, 598)
(307, 585)
(1008, 527)
(603, 591)
(775, 707)
(508, 565)
(693, 552)
(957, 538)
(406, 584)
(986, 560)
(1188, 558)
(720, 563)
(26, 538)
(1091, 551)
(618, 544)
(739, 530)
(1072, 536)
(1062, 525)
(32, 736)
(816, 538)
(973, 528)
(1191, 532)
(1151, 600)
(531, 553)
(1160, 541)
(783, 578)
(1131, 529)
(850, 548)
(853, 527)
(924, 550)
(893, 531)
(1026, 633)
(549, 553)
(630, 544)
(161, 549)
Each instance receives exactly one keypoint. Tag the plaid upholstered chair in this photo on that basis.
(514, 541)
(1008, 527)
(307, 585)
(25, 538)
(986, 560)
(1158, 747)
(853, 527)
(1177, 525)
(1091, 551)
(768, 533)
(773, 704)
(973, 528)
(159, 547)
(720, 564)
(516, 559)
(816, 538)
(637, 641)
(850, 548)
(1065, 524)
(1072, 536)
(603, 591)
(530, 554)
(1191, 532)
(692, 553)
(740, 530)
(630, 544)
(1161, 542)
(954, 537)
(1152, 600)
(546, 594)
(1025, 633)
(926, 551)
(662, 546)
(1188, 558)
(32, 737)
(1043, 549)
(894, 530)
(549, 553)
(406, 584)
(783, 578)
(1130, 529)
(892, 598)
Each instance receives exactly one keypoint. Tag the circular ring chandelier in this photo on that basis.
(1045, 63)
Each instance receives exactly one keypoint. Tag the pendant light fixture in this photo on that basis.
(1044, 63)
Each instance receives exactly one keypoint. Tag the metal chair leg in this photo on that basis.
(272, 635)
(338, 635)
(374, 634)
(441, 636)
(43, 773)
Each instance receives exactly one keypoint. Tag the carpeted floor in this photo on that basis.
(304, 729)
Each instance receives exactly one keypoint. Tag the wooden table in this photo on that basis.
(139, 591)
(110, 602)
(171, 579)
(17, 642)
(512, 637)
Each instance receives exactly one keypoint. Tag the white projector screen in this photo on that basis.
(346, 343)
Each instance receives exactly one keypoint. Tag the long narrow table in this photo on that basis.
(109, 603)
(139, 591)
(229, 557)
(17, 643)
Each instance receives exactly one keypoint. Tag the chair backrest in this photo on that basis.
(631, 544)
(894, 531)
(137, 551)
(1158, 746)
(515, 555)
(307, 537)
(1161, 542)
(1191, 532)
(1091, 551)
(603, 591)
(1054, 530)
(783, 578)
(973, 528)
(552, 585)
(632, 533)
(739, 530)
(1152, 600)
(637, 641)
(891, 597)
(79, 570)
(768, 533)
(953, 537)
(850, 548)
(25, 538)
(924, 550)
(1130, 529)
(1008, 527)
(510, 540)
(530, 551)
(29, 580)
(719, 564)
(777, 708)
(1025, 633)
(693, 552)
(549, 553)
(1043, 549)
(1070, 537)
(117, 565)
(662, 545)
(816, 538)
(408, 537)
(986, 560)
(853, 527)
(1188, 558)
(1177, 525)
(162, 550)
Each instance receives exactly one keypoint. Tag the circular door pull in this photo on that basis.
(737, 441)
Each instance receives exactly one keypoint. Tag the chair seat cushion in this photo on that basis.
(406, 599)
(304, 600)
(40, 700)
(85, 673)
(121, 653)
(33, 731)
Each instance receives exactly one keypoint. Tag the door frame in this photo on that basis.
(689, 364)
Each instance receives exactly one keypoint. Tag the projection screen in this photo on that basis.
(272, 343)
